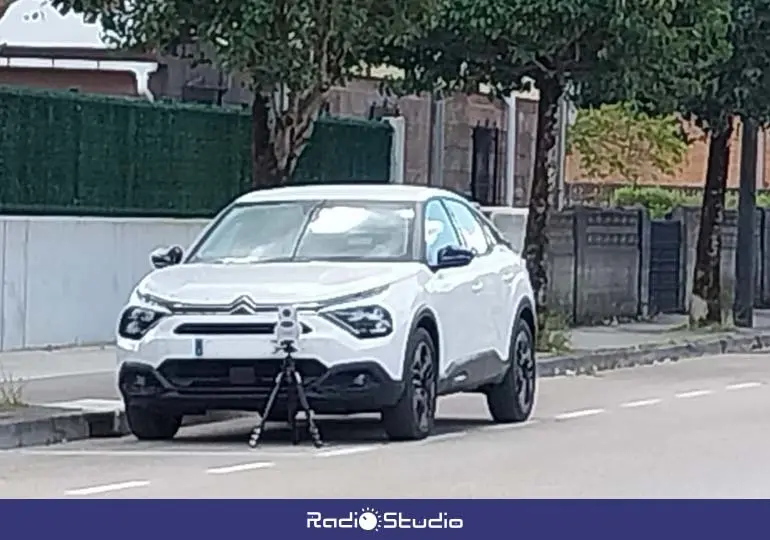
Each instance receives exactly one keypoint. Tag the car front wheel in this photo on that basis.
(152, 425)
(413, 416)
(513, 398)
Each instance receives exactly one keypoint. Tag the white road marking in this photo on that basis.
(346, 451)
(444, 437)
(67, 374)
(241, 468)
(640, 403)
(150, 453)
(106, 488)
(693, 393)
(578, 414)
(743, 386)
(95, 405)
(502, 427)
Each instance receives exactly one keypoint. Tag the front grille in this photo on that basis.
(229, 328)
(201, 375)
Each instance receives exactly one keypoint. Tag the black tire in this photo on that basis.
(513, 399)
(412, 418)
(152, 425)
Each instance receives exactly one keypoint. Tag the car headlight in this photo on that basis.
(363, 321)
(135, 321)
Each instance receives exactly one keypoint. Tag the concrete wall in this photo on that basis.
(64, 280)
(689, 219)
(597, 259)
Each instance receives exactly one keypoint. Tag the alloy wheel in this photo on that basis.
(424, 385)
(524, 371)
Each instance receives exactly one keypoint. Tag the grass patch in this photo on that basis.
(554, 336)
(11, 391)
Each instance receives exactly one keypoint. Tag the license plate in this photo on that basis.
(232, 348)
(242, 375)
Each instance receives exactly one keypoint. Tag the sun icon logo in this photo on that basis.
(369, 519)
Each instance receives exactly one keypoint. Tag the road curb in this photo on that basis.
(66, 425)
(60, 425)
(588, 362)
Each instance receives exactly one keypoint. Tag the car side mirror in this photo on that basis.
(166, 256)
(454, 257)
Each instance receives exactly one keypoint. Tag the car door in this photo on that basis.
(510, 267)
(487, 281)
(450, 289)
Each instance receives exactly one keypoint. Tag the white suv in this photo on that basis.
(404, 294)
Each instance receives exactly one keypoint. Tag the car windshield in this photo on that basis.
(310, 231)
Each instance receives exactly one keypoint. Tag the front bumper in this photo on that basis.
(222, 370)
(192, 386)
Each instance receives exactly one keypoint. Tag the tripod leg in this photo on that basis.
(292, 418)
(312, 427)
(256, 433)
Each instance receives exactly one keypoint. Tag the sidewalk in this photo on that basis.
(663, 329)
(665, 338)
(46, 364)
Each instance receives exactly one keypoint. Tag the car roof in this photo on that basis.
(350, 192)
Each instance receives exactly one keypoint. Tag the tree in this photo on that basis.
(615, 141)
(619, 48)
(292, 53)
(738, 87)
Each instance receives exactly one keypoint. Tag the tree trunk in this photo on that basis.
(706, 302)
(543, 184)
(265, 172)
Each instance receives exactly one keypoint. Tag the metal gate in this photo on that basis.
(487, 184)
(665, 270)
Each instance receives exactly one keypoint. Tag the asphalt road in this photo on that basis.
(697, 428)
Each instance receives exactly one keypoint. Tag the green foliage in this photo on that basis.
(11, 391)
(290, 51)
(611, 50)
(679, 44)
(617, 141)
(660, 201)
(553, 335)
(740, 84)
(108, 155)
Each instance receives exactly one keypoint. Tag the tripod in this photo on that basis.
(295, 395)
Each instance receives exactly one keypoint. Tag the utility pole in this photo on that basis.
(745, 253)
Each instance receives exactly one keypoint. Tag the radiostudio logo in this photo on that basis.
(371, 519)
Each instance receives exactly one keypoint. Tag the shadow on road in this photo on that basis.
(334, 431)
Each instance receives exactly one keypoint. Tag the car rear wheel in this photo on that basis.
(152, 425)
(513, 399)
(413, 416)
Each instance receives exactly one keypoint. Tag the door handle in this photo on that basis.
(476, 287)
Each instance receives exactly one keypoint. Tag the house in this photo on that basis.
(41, 48)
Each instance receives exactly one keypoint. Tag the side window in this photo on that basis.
(438, 231)
(470, 227)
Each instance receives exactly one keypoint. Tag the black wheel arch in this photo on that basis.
(426, 319)
(526, 312)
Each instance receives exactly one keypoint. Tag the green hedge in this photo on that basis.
(70, 153)
(660, 201)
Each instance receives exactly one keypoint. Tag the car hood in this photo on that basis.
(270, 283)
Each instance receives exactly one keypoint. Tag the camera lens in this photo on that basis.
(286, 313)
